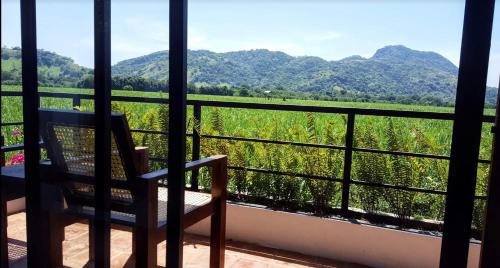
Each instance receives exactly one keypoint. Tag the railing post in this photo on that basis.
(76, 101)
(346, 183)
(196, 144)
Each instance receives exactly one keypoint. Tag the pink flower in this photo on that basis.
(16, 133)
(17, 159)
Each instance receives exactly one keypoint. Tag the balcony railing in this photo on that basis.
(348, 148)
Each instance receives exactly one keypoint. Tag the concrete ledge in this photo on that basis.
(330, 238)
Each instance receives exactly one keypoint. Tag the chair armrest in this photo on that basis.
(218, 163)
(205, 162)
(219, 178)
(155, 175)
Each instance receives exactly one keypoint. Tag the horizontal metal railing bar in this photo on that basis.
(370, 184)
(50, 95)
(484, 161)
(164, 160)
(400, 153)
(17, 147)
(357, 182)
(325, 146)
(284, 173)
(324, 109)
(156, 132)
(12, 148)
(398, 187)
(381, 185)
(12, 124)
(404, 188)
(266, 106)
(149, 131)
(140, 99)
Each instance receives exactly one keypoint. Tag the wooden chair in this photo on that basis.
(138, 202)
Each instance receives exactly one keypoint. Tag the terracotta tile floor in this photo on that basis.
(196, 250)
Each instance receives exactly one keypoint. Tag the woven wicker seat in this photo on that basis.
(193, 200)
(69, 137)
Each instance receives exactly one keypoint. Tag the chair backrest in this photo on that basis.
(69, 137)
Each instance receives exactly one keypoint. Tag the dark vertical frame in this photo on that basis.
(469, 105)
(31, 146)
(102, 76)
(490, 247)
(177, 130)
(4, 251)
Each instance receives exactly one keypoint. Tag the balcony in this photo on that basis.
(318, 196)
(255, 221)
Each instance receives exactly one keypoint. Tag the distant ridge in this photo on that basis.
(391, 71)
(394, 70)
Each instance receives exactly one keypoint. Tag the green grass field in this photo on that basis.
(374, 132)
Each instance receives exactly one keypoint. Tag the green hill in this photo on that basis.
(393, 73)
(53, 69)
(393, 70)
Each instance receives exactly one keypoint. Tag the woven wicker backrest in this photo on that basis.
(69, 137)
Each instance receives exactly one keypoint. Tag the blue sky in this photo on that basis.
(328, 29)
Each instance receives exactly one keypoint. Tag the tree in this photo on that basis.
(244, 92)
(87, 81)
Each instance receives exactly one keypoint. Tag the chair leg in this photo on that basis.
(218, 235)
(91, 240)
(146, 256)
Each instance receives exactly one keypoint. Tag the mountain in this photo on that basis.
(53, 69)
(391, 74)
(393, 70)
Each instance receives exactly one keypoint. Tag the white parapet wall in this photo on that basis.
(331, 238)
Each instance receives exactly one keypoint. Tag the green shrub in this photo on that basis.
(371, 168)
